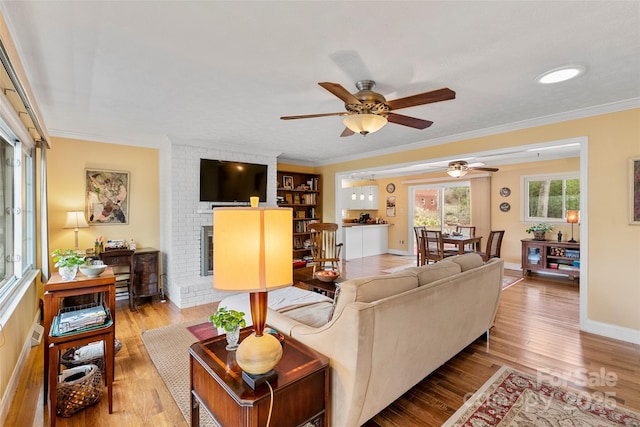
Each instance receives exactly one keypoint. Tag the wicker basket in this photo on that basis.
(78, 388)
(69, 359)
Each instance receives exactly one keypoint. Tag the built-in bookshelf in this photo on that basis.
(301, 192)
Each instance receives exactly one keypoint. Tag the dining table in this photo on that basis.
(462, 241)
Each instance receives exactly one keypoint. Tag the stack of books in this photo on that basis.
(74, 320)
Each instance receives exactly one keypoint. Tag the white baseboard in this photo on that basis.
(12, 386)
(610, 331)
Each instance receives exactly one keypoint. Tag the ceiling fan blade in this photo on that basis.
(422, 98)
(312, 116)
(347, 132)
(483, 169)
(412, 122)
(340, 92)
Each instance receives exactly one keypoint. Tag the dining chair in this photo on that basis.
(419, 244)
(434, 249)
(468, 231)
(122, 262)
(324, 247)
(494, 245)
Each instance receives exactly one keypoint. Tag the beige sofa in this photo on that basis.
(388, 332)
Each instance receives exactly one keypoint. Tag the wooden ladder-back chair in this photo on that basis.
(494, 244)
(122, 262)
(324, 249)
(420, 250)
(434, 248)
(467, 231)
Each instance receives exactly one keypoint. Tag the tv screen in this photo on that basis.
(223, 181)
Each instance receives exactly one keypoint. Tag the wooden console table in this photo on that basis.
(300, 394)
(551, 257)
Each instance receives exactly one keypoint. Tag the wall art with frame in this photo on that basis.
(107, 196)
(634, 190)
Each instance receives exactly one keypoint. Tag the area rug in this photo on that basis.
(203, 331)
(511, 398)
(508, 281)
(168, 348)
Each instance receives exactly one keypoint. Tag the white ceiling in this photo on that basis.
(222, 73)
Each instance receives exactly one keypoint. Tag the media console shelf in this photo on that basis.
(551, 257)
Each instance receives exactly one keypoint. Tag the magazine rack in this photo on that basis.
(56, 290)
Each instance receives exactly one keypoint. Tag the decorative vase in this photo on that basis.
(68, 273)
(232, 339)
(539, 235)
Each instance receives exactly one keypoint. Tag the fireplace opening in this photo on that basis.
(206, 251)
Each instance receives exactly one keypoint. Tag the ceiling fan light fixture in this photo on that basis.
(365, 123)
(457, 170)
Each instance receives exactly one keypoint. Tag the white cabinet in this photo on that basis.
(365, 240)
(366, 197)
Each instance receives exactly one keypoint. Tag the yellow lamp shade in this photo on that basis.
(252, 248)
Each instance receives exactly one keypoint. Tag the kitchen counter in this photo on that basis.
(361, 240)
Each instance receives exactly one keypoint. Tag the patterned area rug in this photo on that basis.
(168, 348)
(511, 398)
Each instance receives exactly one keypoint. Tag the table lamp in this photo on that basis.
(572, 218)
(75, 220)
(252, 252)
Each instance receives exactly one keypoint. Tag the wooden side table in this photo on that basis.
(55, 290)
(316, 285)
(300, 394)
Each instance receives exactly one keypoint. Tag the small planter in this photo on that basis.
(232, 339)
(539, 235)
(68, 273)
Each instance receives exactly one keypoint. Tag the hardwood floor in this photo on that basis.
(536, 331)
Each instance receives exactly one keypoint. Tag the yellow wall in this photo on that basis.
(67, 161)
(614, 263)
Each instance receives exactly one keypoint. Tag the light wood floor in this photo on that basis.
(536, 330)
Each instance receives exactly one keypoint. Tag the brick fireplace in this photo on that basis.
(184, 280)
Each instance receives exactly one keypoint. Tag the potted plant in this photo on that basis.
(67, 262)
(539, 230)
(231, 321)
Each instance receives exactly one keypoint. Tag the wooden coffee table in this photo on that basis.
(316, 285)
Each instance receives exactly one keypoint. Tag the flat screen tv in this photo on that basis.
(232, 182)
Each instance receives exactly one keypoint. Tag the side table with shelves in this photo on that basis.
(551, 257)
(300, 393)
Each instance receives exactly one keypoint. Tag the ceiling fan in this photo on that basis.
(459, 168)
(368, 111)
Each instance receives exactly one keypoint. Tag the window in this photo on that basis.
(454, 198)
(549, 197)
(6, 221)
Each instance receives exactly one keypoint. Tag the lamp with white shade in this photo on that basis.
(76, 220)
(253, 253)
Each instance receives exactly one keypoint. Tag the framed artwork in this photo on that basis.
(391, 205)
(107, 196)
(287, 182)
(634, 190)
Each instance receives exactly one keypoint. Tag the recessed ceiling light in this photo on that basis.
(561, 74)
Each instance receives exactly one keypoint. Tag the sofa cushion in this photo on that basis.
(467, 261)
(432, 272)
(373, 288)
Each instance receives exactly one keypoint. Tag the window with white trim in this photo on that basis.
(547, 198)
